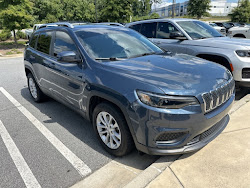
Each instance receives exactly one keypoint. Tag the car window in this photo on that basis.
(63, 42)
(136, 27)
(33, 41)
(43, 43)
(164, 29)
(198, 29)
(148, 29)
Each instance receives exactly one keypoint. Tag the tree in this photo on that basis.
(64, 10)
(47, 10)
(15, 14)
(116, 10)
(198, 8)
(242, 12)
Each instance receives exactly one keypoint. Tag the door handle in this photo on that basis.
(158, 42)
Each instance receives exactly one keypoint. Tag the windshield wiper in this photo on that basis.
(204, 37)
(145, 54)
(109, 58)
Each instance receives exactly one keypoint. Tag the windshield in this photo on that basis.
(115, 43)
(213, 24)
(198, 30)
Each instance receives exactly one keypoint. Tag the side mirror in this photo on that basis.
(177, 35)
(68, 56)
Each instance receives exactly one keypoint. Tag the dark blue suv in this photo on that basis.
(134, 93)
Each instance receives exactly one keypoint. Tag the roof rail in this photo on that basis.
(110, 23)
(57, 24)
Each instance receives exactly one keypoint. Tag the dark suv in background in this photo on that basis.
(134, 93)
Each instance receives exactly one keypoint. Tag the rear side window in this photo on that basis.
(33, 41)
(164, 29)
(148, 29)
(136, 27)
(63, 42)
(43, 43)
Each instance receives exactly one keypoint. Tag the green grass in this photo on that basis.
(12, 43)
(9, 53)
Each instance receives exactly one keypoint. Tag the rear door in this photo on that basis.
(148, 30)
(163, 39)
(67, 76)
(42, 59)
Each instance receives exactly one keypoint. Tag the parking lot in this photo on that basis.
(47, 144)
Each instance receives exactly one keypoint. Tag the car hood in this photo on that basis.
(221, 42)
(177, 75)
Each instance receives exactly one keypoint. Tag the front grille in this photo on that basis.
(167, 136)
(246, 73)
(209, 131)
(217, 97)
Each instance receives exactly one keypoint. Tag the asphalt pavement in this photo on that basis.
(55, 145)
(47, 144)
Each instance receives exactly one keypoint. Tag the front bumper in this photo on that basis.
(200, 128)
(239, 64)
(220, 126)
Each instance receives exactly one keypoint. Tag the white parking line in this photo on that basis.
(22, 167)
(77, 163)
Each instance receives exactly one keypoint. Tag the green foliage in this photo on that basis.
(116, 10)
(15, 14)
(242, 12)
(152, 16)
(64, 10)
(21, 35)
(198, 8)
(141, 7)
(5, 35)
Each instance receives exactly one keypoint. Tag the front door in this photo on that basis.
(67, 76)
(164, 41)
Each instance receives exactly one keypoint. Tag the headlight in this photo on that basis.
(165, 101)
(243, 53)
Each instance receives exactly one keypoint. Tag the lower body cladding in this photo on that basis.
(177, 131)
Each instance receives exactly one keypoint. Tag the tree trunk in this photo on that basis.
(14, 32)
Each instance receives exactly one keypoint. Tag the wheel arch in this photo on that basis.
(119, 101)
(240, 35)
(220, 59)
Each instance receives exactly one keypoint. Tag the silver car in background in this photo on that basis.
(196, 38)
(222, 30)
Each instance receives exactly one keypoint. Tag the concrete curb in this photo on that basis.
(158, 167)
(152, 172)
(240, 103)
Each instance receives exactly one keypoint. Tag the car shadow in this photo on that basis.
(82, 129)
(241, 92)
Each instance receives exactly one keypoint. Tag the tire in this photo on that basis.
(35, 92)
(118, 126)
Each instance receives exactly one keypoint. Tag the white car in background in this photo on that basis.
(29, 32)
(240, 32)
(222, 30)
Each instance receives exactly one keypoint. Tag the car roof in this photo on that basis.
(162, 20)
(75, 28)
